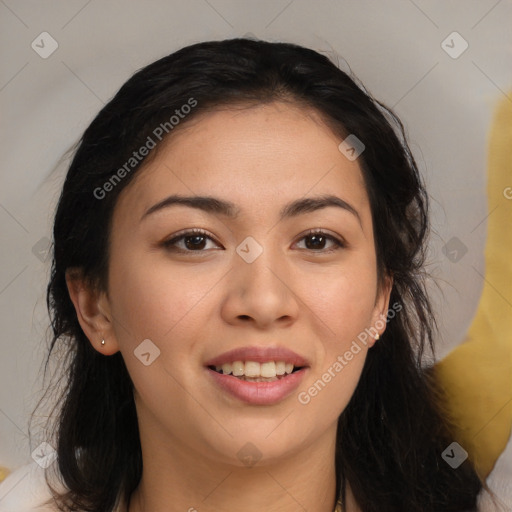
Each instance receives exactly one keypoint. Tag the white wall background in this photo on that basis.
(394, 47)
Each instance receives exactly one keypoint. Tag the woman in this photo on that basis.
(237, 281)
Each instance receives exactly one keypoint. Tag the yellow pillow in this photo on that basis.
(477, 375)
(3, 473)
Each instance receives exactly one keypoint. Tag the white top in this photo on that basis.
(25, 489)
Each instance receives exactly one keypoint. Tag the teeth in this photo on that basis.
(268, 369)
(253, 369)
(238, 368)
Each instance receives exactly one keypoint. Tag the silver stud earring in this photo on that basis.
(377, 337)
(102, 342)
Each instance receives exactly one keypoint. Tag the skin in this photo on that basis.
(195, 305)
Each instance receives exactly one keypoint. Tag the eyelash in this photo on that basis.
(171, 244)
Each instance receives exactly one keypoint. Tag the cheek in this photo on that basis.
(344, 300)
(169, 307)
(343, 303)
(325, 396)
(150, 301)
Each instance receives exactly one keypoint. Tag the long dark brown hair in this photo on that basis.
(392, 433)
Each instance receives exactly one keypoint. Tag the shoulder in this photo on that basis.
(500, 483)
(26, 490)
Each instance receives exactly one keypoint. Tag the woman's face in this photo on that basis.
(252, 278)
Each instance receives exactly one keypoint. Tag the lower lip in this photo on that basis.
(259, 393)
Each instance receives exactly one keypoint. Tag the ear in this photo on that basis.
(380, 311)
(93, 312)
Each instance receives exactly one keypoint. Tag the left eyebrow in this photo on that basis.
(221, 207)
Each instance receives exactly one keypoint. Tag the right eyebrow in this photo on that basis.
(205, 203)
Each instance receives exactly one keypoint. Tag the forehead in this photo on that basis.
(255, 156)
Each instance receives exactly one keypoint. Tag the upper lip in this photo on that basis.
(259, 355)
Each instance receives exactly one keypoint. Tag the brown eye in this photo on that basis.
(189, 241)
(195, 242)
(317, 240)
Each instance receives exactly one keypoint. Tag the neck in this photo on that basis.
(178, 478)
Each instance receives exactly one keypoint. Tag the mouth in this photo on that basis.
(267, 385)
(258, 375)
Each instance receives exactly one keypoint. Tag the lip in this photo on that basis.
(259, 355)
(258, 393)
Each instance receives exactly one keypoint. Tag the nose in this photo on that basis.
(261, 292)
